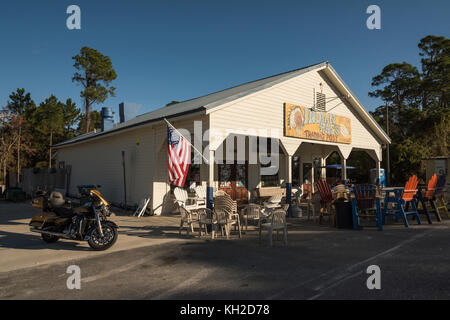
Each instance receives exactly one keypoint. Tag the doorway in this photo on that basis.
(233, 179)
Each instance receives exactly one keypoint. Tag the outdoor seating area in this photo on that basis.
(227, 217)
(353, 207)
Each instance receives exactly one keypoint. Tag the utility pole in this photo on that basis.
(124, 181)
(388, 160)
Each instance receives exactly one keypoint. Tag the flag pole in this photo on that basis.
(207, 161)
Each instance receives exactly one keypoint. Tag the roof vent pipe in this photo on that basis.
(107, 118)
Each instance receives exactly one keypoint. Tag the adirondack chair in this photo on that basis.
(366, 204)
(402, 200)
(439, 195)
(200, 191)
(426, 197)
(326, 200)
(183, 199)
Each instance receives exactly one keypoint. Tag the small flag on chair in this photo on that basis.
(179, 156)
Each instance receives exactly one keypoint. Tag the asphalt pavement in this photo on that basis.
(319, 262)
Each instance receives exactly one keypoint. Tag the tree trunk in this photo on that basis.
(50, 150)
(4, 173)
(18, 155)
(86, 116)
(87, 103)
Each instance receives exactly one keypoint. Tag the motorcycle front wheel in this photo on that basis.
(97, 242)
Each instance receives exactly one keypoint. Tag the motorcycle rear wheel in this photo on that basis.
(99, 243)
(49, 238)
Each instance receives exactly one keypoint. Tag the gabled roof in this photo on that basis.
(203, 103)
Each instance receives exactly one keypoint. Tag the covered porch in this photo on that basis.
(248, 167)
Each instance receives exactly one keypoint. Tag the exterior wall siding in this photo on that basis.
(100, 162)
(265, 110)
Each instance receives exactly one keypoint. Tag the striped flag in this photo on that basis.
(179, 156)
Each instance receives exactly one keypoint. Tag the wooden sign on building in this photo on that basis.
(305, 123)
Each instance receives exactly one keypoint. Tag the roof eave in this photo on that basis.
(343, 87)
(130, 127)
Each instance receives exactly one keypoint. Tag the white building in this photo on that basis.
(312, 109)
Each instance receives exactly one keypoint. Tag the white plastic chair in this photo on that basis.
(188, 218)
(276, 221)
(252, 212)
(206, 217)
(225, 205)
(275, 198)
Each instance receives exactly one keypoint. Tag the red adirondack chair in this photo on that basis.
(403, 200)
(426, 197)
(326, 200)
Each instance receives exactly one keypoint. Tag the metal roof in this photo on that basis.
(202, 103)
(198, 104)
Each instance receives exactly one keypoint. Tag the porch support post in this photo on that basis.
(344, 152)
(378, 166)
(289, 184)
(210, 188)
(300, 161)
(344, 170)
(323, 173)
(376, 156)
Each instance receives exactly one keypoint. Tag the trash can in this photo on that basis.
(344, 217)
(15, 194)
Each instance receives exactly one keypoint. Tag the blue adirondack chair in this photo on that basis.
(402, 199)
(366, 204)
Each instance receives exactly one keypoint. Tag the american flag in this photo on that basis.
(179, 157)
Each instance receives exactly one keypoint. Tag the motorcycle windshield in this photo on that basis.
(98, 194)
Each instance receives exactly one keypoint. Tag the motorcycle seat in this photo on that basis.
(64, 212)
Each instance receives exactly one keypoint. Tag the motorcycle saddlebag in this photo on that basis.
(39, 219)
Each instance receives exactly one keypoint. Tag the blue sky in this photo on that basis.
(181, 49)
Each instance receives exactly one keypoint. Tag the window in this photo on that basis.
(317, 169)
(269, 180)
(307, 170)
(193, 175)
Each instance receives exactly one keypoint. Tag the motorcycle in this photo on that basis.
(85, 223)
